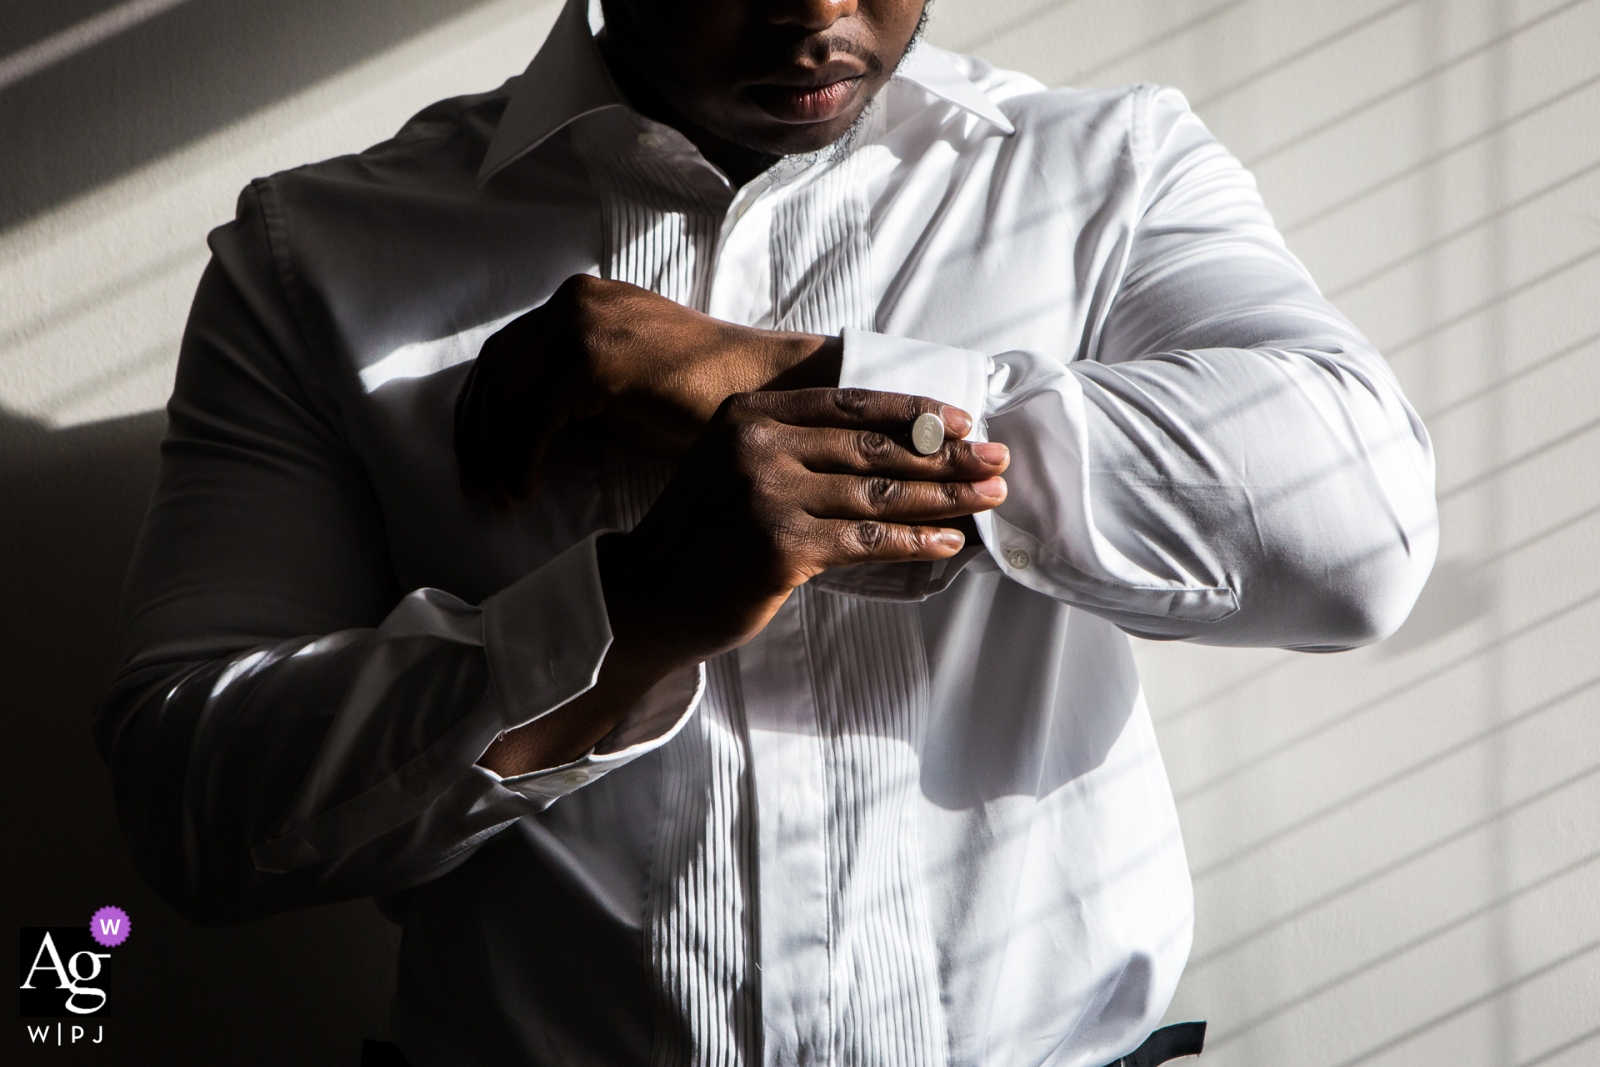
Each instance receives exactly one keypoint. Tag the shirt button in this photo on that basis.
(415, 783)
(574, 778)
(652, 140)
(1018, 559)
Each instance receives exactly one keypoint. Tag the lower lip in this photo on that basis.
(794, 104)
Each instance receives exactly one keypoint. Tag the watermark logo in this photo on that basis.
(63, 973)
(65, 976)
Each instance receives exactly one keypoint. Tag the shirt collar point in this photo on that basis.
(567, 80)
(935, 70)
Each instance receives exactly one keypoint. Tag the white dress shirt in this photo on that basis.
(921, 818)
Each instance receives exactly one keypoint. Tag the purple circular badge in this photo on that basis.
(110, 926)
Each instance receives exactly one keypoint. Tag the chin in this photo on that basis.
(789, 139)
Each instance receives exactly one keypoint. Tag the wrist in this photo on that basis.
(633, 664)
(642, 632)
(805, 361)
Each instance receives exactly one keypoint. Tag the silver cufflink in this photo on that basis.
(927, 433)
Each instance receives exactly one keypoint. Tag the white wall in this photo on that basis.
(1396, 851)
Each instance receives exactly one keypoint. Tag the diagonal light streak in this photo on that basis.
(79, 38)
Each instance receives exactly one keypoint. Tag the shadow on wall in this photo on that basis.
(113, 84)
(298, 989)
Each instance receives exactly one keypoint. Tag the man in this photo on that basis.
(764, 696)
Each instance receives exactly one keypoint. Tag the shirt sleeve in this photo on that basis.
(287, 726)
(1230, 461)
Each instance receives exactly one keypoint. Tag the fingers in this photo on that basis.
(845, 431)
(828, 472)
(857, 409)
(831, 450)
(842, 496)
(845, 542)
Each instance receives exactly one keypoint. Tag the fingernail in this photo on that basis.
(955, 420)
(991, 488)
(950, 538)
(991, 451)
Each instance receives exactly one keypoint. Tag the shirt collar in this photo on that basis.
(568, 79)
(935, 70)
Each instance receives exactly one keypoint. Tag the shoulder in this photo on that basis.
(1135, 116)
(406, 209)
(400, 242)
(437, 152)
(295, 229)
(1134, 119)
(438, 149)
(1137, 132)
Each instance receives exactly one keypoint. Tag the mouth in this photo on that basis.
(817, 102)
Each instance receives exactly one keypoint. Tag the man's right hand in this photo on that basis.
(779, 487)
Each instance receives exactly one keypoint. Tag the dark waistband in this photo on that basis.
(1167, 1043)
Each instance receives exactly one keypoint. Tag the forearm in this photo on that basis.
(236, 743)
(1232, 496)
(663, 404)
(1240, 495)
(344, 765)
(215, 762)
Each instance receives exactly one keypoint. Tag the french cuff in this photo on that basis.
(546, 635)
(955, 376)
(650, 724)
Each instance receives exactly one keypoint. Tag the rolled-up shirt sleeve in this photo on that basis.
(287, 726)
(1226, 459)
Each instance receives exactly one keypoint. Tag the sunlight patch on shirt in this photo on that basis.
(423, 358)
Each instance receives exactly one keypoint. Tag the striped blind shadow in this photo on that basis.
(83, 102)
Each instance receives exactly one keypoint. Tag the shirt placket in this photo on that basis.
(663, 209)
(793, 884)
(787, 749)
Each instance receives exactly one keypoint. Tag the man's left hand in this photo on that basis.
(655, 370)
